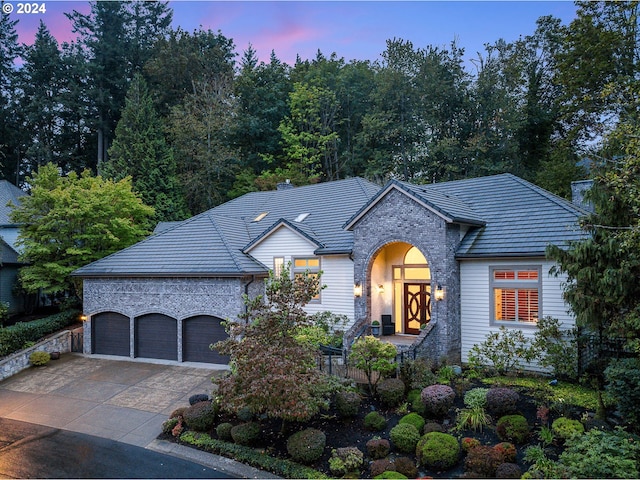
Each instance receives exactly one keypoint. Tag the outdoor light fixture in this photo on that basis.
(380, 289)
(439, 292)
(357, 290)
(83, 318)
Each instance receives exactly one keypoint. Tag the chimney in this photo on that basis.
(284, 185)
(578, 189)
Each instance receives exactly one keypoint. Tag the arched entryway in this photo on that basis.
(401, 288)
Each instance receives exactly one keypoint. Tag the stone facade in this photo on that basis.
(179, 298)
(398, 218)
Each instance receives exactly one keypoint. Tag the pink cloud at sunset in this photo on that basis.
(353, 30)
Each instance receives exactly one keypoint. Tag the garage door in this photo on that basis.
(110, 334)
(198, 333)
(156, 336)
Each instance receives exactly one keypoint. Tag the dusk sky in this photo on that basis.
(353, 30)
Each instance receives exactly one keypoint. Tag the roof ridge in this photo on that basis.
(561, 202)
(224, 238)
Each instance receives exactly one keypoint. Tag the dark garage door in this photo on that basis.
(198, 333)
(110, 334)
(156, 336)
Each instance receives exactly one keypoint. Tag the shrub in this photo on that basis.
(565, 428)
(374, 357)
(417, 374)
(168, 425)
(502, 401)
(446, 374)
(476, 397)
(482, 461)
(414, 419)
(437, 399)
(406, 467)
(178, 412)
(404, 437)
(375, 421)
(513, 428)
(378, 448)
(508, 470)
(504, 351)
(39, 358)
(347, 403)
(599, 454)
(378, 467)
(557, 348)
(391, 474)
(12, 338)
(246, 433)
(200, 417)
(439, 451)
(507, 450)
(244, 414)
(306, 446)
(391, 391)
(433, 427)
(468, 443)
(197, 398)
(623, 385)
(413, 397)
(345, 460)
(475, 418)
(224, 431)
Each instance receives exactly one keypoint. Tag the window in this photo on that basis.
(278, 265)
(260, 216)
(310, 265)
(515, 293)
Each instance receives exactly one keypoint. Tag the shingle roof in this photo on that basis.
(8, 193)
(212, 243)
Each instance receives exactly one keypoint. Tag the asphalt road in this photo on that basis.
(35, 451)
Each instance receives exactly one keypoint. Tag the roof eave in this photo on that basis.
(169, 274)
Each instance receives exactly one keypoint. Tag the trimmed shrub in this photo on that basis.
(168, 425)
(39, 358)
(468, 443)
(508, 470)
(623, 384)
(482, 461)
(224, 431)
(439, 451)
(200, 416)
(197, 398)
(245, 414)
(306, 446)
(507, 450)
(437, 399)
(476, 397)
(404, 437)
(414, 419)
(246, 433)
(565, 428)
(502, 401)
(513, 428)
(375, 421)
(391, 391)
(391, 474)
(347, 403)
(345, 460)
(178, 412)
(407, 467)
(378, 467)
(432, 427)
(378, 448)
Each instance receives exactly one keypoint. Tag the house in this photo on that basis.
(9, 250)
(442, 264)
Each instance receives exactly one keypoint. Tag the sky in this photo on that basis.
(353, 30)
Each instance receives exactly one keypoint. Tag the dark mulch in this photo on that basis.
(351, 433)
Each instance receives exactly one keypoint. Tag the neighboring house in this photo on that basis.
(9, 251)
(444, 264)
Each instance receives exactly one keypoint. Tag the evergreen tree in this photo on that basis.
(139, 150)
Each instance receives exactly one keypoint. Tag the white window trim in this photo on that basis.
(295, 270)
(516, 284)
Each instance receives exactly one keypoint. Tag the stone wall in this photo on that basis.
(398, 218)
(19, 361)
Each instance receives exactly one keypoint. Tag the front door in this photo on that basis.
(417, 306)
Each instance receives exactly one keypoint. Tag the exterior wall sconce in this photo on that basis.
(357, 290)
(439, 292)
(380, 289)
(83, 318)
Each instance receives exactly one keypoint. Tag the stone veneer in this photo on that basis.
(398, 218)
(179, 298)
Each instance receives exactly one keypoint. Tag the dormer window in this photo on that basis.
(301, 217)
(261, 216)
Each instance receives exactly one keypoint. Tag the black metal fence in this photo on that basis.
(595, 351)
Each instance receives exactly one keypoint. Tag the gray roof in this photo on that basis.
(218, 242)
(521, 219)
(8, 193)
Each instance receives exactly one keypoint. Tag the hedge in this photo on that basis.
(16, 336)
(250, 456)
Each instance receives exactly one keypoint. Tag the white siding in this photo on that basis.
(475, 298)
(337, 270)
